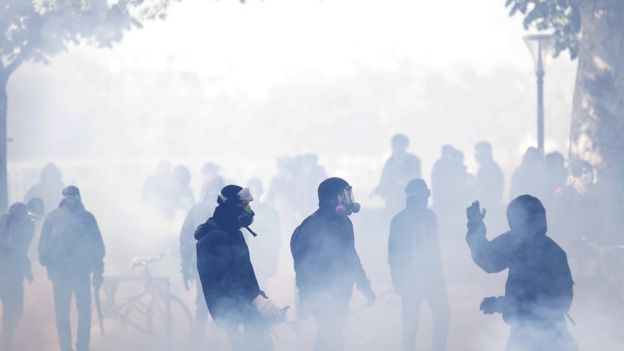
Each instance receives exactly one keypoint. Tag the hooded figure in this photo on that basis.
(197, 215)
(49, 187)
(399, 169)
(229, 283)
(327, 265)
(16, 232)
(71, 248)
(416, 266)
(538, 292)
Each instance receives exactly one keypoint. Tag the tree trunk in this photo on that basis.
(3, 142)
(597, 129)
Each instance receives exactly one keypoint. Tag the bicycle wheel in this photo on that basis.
(170, 322)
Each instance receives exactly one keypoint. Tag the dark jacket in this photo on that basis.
(197, 215)
(227, 276)
(15, 237)
(539, 287)
(414, 250)
(71, 244)
(325, 258)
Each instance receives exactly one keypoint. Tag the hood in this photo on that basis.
(71, 208)
(205, 228)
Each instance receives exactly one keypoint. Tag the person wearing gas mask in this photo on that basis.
(72, 250)
(196, 216)
(416, 266)
(327, 265)
(539, 287)
(230, 287)
(17, 229)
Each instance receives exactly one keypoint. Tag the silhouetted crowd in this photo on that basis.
(231, 238)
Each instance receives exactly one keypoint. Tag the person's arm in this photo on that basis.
(297, 252)
(562, 285)
(44, 248)
(226, 277)
(97, 250)
(380, 189)
(245, 283)
(187, 247)
(24, 244)
(397, 254)
(213, 263)
(304, 248)
(432, 223)
(361, 280)
(492, 256)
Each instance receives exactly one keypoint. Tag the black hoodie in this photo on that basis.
(71, 243)
(227, 276)
(324, 255)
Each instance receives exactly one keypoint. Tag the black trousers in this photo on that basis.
(64, 288)
(12, 296)
(436, 297)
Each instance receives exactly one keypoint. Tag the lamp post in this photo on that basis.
(540, 46)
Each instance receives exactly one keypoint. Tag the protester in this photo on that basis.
(538, 292)
(416, 266)
(327, 265)
(72, 250)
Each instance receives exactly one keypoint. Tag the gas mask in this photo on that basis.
(346, 204)
(246, 218)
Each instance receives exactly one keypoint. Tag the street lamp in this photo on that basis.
(540, 46)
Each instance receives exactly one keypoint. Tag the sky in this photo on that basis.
(290, 77)
(261, 42)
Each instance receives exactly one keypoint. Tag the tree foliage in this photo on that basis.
(40, 29)
(560, 17)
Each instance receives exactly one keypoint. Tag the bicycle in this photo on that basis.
(154, 312)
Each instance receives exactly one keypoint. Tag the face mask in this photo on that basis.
(346, 203)
(246, 218)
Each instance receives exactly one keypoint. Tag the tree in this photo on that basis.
(39, 29)
(593, 31)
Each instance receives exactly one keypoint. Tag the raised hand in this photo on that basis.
(474, 213)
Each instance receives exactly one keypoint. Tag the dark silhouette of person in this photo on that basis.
(196, 216)
(72, 250)
(49, 187)
(539, 287)
(210, 175)
(450, 181)
(283, 186)
(416, 266)
(327, 265)
(555, 177)
(399, 169)
(264, 248)
(529, 177)
(307, 174)
(230, 287)
(17, 229)
(577, 220)
(182, 193)
(159, 189)
(489, 181)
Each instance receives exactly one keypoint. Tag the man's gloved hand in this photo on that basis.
(271, 313)
(491, 305)
(474, 213)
